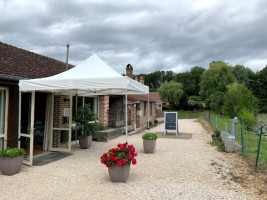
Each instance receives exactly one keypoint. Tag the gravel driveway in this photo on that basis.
(179, 169)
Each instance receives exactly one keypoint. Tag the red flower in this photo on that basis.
(134, 161)
(108, 164)
(113, 154)
(119, 163)
(102, 161)
(105, 155)
(124, 161)
(135, 154)
(115, 158)
(130, 157)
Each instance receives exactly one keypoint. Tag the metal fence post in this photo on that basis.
(242, 137)
(211, 121)
(258, 152)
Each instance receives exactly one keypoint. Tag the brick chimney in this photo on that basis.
(129, 71)
(141, 80)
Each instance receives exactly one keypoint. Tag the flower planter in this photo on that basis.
(10, 166)
(85, 142)
(149, 145)
(119, 173)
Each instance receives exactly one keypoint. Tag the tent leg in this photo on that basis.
(126, 118)
(76, 109)
(19, 125)
(148, 112)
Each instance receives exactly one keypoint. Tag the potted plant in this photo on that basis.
(149, 142)
(11, 160)
(216, 136)
(118, 161)
(156, 122)
(84, 124)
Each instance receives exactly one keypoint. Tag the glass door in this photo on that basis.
(3, 117)
(61, 115)
(27, 105)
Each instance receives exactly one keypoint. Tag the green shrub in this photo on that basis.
(150, 123)
(150, 136)
(248, 118)
(156, 121)
(164, 108)
(12, 152)
(169, 107)
(217, 133)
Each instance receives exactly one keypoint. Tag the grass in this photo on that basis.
(251, 137)
(184, 114)
(218, 144)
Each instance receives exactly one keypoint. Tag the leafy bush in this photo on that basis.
(194, 106)
(194, 98)
(150, 123)
(247, 118)
(169, 107)
(156, 121)
(217, 133)
(237, 98)
(83, 119)
(150, 136)
(164, 108)
(12, 152)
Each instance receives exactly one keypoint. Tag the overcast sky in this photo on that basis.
(151, 35)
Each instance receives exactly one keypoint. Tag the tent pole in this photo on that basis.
(76, 108)
(19, 125)
(126, 118)
(148, 112)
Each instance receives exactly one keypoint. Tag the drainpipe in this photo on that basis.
(68, 46)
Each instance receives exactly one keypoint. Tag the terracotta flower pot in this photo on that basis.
(85, 142)
(10, 166)
(149, 145)
(119, 174)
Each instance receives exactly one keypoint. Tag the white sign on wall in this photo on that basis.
(66, 112)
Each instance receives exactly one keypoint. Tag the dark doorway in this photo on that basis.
(39, 122)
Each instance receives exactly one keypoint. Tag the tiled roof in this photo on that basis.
(153, 96)
(18, 62)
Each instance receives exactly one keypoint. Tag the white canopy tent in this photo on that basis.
(91, 77)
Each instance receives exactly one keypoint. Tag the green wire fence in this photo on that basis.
(252, 140)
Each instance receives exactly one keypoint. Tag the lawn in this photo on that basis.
(184, 114)
(251, 137)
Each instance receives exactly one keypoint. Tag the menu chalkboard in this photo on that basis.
(171, 123)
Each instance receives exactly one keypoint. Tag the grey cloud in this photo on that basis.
(151, 35)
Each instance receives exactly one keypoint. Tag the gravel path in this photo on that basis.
(179, 169)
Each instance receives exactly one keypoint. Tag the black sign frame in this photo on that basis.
(170, 122)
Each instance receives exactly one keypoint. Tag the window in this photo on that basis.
(93, 101)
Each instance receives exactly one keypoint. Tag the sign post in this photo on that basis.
(171, 122)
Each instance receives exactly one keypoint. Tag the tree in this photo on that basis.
(219, 73)
(171, 91)
(239, 98)
(241, 74)
(258, 85)
(197, 73)
(188, 82)
(216, 101)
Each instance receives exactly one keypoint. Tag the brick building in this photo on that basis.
(111, 108)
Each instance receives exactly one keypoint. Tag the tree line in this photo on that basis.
(232, 90)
